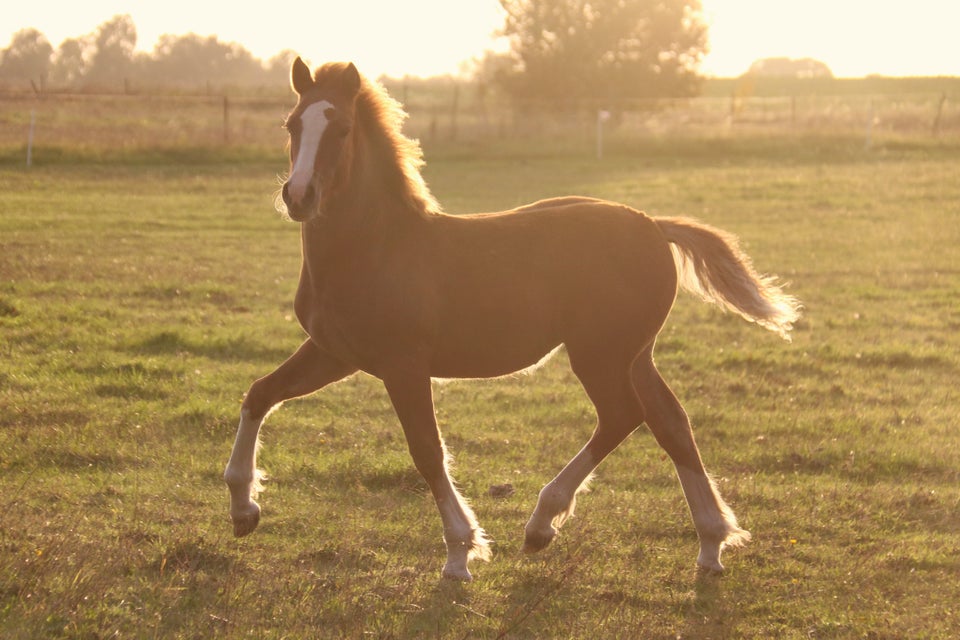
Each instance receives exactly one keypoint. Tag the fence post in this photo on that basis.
(936, 121)
(33, 123)
(454, 109)
(602, 116)
(226, 120)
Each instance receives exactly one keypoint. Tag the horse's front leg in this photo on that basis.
(412, 398)
(307, 370)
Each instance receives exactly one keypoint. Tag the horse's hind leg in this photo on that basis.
(307, 370)
(716, 525)
(607, 383)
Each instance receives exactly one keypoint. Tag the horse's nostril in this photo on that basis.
(304, 199)
(299, 203)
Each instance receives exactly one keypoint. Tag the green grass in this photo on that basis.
(138, 301)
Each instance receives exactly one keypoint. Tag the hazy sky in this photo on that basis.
(427, 37)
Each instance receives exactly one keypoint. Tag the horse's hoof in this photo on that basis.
(535, 541)
(244, 524)
(708, 560)
(707, 564)
(460, 574)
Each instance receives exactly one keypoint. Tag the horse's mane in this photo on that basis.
(382, 118)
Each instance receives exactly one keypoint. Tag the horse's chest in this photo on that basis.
(353, 319)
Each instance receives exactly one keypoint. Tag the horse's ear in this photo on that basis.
(300, 77)
(351, 79)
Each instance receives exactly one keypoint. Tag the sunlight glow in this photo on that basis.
(432, 37)
(853, 37)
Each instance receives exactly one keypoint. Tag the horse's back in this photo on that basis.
(556, 271)
(574, 243)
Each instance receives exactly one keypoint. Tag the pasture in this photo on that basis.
(139, 297)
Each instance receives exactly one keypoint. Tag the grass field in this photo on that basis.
(139, 299)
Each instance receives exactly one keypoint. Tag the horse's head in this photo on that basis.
(319, 128)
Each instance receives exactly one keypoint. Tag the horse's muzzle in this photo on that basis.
(304, 208)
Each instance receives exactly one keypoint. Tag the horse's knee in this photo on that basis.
(258, 402)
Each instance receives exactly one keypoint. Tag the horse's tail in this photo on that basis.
(711, 265)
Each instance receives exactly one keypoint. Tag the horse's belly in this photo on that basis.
(485, 350)
(495, 369)
(488, 360)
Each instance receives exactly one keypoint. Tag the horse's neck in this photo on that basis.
(377, 195)
(365, 214)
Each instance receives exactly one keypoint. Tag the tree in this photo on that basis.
(202, 60)
(27, 58)
(70, 62)
(567, 50)
(278, 67)
(113, 46)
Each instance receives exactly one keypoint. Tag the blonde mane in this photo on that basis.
(383, 117)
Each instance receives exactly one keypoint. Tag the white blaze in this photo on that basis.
(314, 122)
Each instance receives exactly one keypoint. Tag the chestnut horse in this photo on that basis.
(391, 286)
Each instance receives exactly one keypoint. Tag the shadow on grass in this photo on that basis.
(836, 463)
(193, 555)
(68, 459)
(709, 614)
(237, 348)
(433, 616)
(30, 417)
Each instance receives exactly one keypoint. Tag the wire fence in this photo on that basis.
(108, 123)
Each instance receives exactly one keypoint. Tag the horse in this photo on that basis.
(392, 286)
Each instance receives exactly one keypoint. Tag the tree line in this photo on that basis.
(106, 60)
(561, 51)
